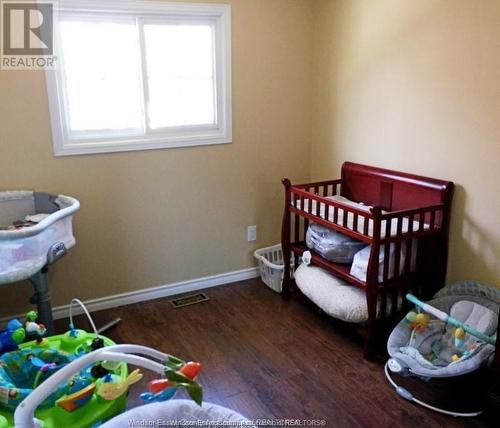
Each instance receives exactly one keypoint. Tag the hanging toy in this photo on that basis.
(411, 317)
(164, 395)
(111, 391)
(164, 389)
(417, 321)
(459, 337)
(34, 328)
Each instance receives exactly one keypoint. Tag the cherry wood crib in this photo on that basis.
(407, 212)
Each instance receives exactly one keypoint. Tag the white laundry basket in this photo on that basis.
(271, 266)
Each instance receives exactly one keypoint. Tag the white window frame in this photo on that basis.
(219, 15)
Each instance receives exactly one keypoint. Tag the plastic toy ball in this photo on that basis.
(411, 317)
(423, 320)
(31, 316)
(419, 321)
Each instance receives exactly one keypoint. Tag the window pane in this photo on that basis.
(180, 77)
(102, 70)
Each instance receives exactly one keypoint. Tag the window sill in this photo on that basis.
(85, 147)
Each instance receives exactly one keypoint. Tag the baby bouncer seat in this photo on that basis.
(447, 348)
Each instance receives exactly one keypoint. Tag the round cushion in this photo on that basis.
(333, 295)
(179, 413)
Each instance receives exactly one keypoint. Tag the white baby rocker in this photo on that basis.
(35, 231)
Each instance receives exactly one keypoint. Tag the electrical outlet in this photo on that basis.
(252, 233)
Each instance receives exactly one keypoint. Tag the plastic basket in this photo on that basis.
(271, 266)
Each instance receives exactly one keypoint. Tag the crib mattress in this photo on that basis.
(311, 206)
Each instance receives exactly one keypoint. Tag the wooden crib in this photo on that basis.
(407, 211)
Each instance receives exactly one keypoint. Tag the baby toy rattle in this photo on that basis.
(443, 316)
(418, 321)
(16, 332)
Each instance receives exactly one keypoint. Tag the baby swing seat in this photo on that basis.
(429, 348)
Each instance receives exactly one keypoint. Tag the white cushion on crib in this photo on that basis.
(333, 295)
(179, 413)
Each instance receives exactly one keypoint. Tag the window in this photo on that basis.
(135, 75)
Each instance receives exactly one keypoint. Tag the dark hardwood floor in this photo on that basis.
(267, 358)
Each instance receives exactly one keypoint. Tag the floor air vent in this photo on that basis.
(189, 300)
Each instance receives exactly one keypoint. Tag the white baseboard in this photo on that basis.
(146, 294)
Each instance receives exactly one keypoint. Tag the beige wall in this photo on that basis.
(414, 86)
(156, 217)
(405, 84)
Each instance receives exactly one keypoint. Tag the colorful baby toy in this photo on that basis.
(72, 380)
(16, 332)
(110, 390)
(418, 321)
(12, 336)
(164, 389)
(456, 343)
(34, 328)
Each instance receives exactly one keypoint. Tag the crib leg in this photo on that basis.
(42, 299)
(285, 293)
(372, 327)
(285, 242)
(369, 342)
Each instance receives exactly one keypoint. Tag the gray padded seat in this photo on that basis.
(177, 412)
(461, 300)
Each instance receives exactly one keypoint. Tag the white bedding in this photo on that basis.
(359, 267)
(350, 216)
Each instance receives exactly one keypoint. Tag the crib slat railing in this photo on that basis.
(323, 184)
(397, 264)
(355, 221)
(387, 248)
(301, 193)
(409, 248)
(296, 220)
(414, 216)
(307, 203)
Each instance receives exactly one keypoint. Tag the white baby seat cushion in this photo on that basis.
(430, 351)
(179, 413)
(333, 295)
